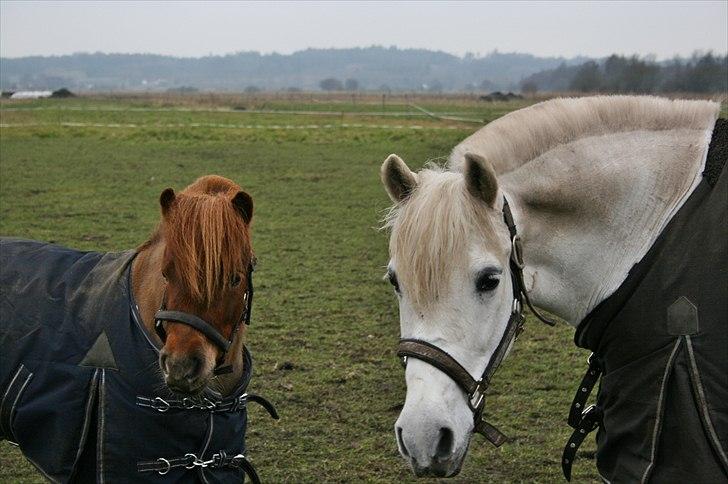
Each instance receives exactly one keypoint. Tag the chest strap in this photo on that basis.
(582, 419)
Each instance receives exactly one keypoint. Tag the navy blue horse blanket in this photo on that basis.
(81, 391)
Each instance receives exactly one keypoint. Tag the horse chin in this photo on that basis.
(187, 391)
(438, 469)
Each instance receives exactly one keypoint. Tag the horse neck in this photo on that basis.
(148, 288)
(588, 212)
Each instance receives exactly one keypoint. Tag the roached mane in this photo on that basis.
(521, 136)
(207, 237)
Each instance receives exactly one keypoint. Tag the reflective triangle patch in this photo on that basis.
(100, 354)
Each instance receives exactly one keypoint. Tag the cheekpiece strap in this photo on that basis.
(516, 263)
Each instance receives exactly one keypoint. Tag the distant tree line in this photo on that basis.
(705, 73)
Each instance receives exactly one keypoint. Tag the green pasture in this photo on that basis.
(325, 323)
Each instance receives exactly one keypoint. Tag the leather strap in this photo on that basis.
(196, 322)
(517, 264)
(582, 419)
(431, 354)
(590, 419)
(590, 379)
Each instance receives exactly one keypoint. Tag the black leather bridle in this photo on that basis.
(207, 329)
(475, 389)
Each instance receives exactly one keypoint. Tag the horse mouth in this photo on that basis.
(187, 391)
(439, 470)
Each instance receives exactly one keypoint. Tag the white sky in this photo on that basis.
(191, 28)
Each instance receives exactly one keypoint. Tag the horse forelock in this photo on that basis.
(207, 238)
(431, 232)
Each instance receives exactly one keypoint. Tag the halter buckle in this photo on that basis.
(478, 395)
(517, 307)
(517, 251)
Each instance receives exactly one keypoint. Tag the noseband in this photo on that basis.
(204, 327)
(475, 389)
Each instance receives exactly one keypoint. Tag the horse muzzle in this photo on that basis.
(431, 448)
(184, 374)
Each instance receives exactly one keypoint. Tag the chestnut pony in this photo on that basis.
(196, 262)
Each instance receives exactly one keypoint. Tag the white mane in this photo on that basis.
(520, 136)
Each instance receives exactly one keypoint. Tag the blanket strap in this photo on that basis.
(581, 418)
(190, 461)
(234, 405)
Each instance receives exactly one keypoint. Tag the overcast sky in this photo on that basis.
(200, 28)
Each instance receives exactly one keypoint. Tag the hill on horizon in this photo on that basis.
(369, 68)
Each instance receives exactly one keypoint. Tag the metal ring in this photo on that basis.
(166, 462)
(165, 404)
(478, 395)
(193, 463)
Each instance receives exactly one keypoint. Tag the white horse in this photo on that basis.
(591, 184)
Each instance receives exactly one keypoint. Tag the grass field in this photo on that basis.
(87, 173)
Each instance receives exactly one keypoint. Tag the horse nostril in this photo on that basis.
(444, 446)
(400, 441)
(194, 367)
(163, 361)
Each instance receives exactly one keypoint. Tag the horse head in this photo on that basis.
(449, 265)
(206, 264)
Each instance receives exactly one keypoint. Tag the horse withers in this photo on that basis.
(131, 366)
(562, 204)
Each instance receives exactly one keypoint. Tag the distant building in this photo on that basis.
(30, 94)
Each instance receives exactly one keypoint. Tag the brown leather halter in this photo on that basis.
(475, 389)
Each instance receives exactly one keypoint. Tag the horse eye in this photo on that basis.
(486, 282)
(235, 281)
(393, 280)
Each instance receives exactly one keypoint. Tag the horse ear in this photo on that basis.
(166, 199)
(398, 179)
(243, 203)
(480, 178)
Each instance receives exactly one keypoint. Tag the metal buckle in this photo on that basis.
(165, 462)
(586, 415)
(477, 395)
(517, 306)
(403, 362)
(517, 251)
